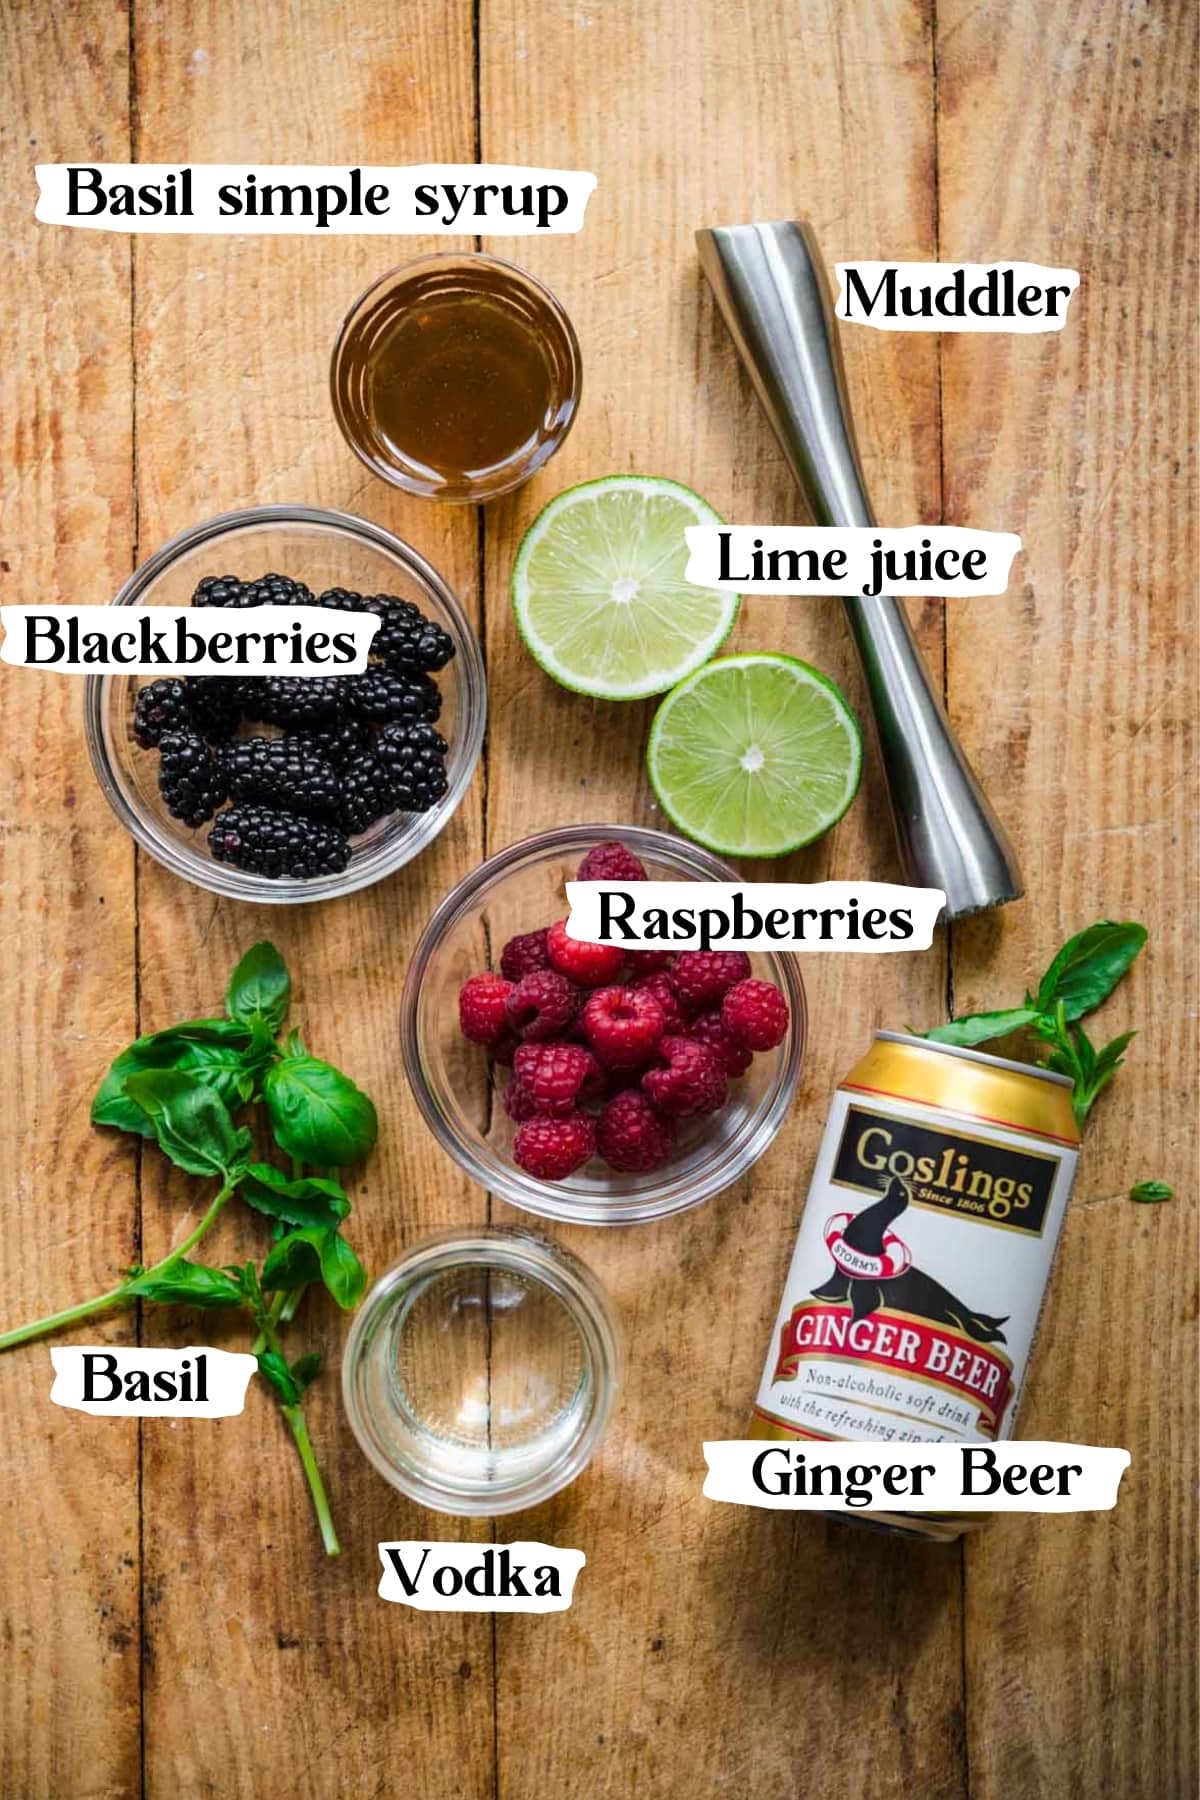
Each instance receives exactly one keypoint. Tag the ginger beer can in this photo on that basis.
(923, 1256)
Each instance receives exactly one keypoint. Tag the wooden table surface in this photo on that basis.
(169, 1625)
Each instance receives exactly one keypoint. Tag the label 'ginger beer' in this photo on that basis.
(923, 1255)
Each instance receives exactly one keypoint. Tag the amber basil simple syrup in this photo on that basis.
(456, 377)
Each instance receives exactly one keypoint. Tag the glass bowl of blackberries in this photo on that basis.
(282, 787)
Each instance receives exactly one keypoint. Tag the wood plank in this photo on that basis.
(269, 1667)
(709, 1649)
(1075, 148)
(69, 1501)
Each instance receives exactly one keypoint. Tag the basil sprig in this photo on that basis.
(184, 1088)
(1080, 978)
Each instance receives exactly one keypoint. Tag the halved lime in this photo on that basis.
(599, 591)
(755, 755)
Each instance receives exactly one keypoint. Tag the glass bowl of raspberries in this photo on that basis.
(280, 788)
(579, 1081)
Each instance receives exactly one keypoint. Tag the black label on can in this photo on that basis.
(947, 1171)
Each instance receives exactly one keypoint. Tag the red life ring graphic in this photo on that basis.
(896, 1258)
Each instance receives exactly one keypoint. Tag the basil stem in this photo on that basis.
(118, 1296)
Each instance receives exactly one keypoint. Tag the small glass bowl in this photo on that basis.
(520, 890)
(405, 293)
(323, 549)
(480, 1372)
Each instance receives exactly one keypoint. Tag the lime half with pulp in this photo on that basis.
(755, 755)
(599, 591)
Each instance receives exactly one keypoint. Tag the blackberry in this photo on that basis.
(412, 646)
(190, 779)
(220, 590)
(367, 794)
(340, 599)
(277, 590)
(292, 699)
(383, 696)
(340, 739)
(282, 772)
(264, 841)
(163, 706)
(414, 756)
(215, 704)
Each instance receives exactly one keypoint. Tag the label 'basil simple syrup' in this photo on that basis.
(923, 1255)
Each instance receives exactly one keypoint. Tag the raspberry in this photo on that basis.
(756, 1014)
(709, 1029)
(610, 862)
(659, 985)
(482, 1017)
(519, 1103)
(522, 955)
(557, 1077)
(552, 1149)
(693, 1081)
(542, 1005)
(701, 977)
(588, 965)
(623, 1025)
(647, 962)
(631, 1136)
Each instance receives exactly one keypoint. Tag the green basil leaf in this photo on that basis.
(1109, 1058)
(305, 1370)
(317, 1113)
(294, 1261)
(188, 1284)
(1085, 1052)
(1089, 966)
(341, 1271)
(191, 1122)
(272, 1368)
(305, 1201)
(212, 1049)
(979, 1028)
(260, 988)
(1149, 1193)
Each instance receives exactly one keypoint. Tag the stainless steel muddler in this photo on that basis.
(770, 286)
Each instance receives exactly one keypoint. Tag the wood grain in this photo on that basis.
(1081, 1632)
(267, 1667)
(707, 1650)
(152, 382)
(69, 1607)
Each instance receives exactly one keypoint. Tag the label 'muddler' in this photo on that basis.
(924, 1251)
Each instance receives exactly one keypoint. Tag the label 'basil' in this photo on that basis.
(317, 1113)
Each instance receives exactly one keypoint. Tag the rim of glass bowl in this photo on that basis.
(508, 476)
(537, 1259)
(544, 1199)
(365, 867)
